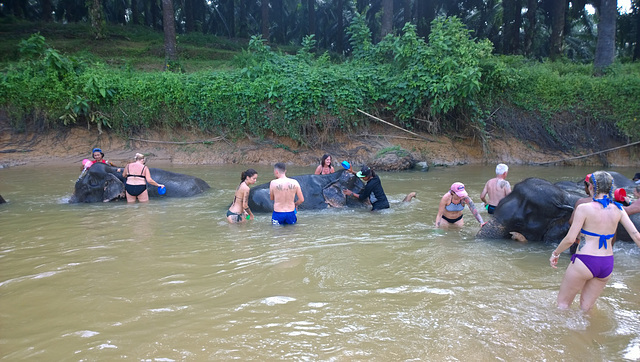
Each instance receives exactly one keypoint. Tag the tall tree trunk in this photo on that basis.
(636, 49)
(243, 29)
(557, 28)
(135, 12)
(189, 19)
(606, 44)
(387, 18)
(530, 29)
(278, 15)
(425, 13)
(311, 13)
(231, 18)
(47, 10)
(199, 14)
(17, 8)
(168, 25)
(508, 15)
(96, 15)
(148, 17)
(340, 30)
(407, 11)
(516, 40)
(361, 5)
(265, 20)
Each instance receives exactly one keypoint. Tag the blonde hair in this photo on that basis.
(139, 156)
(602, 183)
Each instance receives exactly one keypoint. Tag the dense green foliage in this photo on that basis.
(451, 80)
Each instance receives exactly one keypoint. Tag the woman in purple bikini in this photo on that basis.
(595, 224)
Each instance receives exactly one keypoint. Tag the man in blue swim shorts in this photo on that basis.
(286, 195)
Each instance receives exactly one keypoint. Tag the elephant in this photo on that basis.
(103, 183)
(319, 191)
(540, 210)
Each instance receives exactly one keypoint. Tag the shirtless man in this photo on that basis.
(498, 188)
(283, 192)
(634, 208)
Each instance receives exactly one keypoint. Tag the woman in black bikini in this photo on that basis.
(239, 209)
(138, 175)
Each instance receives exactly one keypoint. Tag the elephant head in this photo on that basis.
(98, 183)
(536, 208)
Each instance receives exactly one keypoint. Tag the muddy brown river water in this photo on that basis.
(172, 281)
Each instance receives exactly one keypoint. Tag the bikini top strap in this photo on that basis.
(605, 201)
(602, 239)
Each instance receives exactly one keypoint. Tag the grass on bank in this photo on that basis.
(134, 46)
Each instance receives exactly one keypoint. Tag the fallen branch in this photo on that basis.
(13, 150)
(180, 143)
(388, 136)
(590, 154)
(393, 125)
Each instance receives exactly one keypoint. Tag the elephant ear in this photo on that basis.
(333, 195)
(113, 188)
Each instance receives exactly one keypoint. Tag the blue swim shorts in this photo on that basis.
(284, 218)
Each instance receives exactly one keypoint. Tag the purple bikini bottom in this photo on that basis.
(600, 266)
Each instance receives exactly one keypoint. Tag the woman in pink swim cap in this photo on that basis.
(452, 204)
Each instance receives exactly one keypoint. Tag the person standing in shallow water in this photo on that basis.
(372, 190)
(451, 206)
(595, 223)
(137, 175)
(283, 191)
(497, 188)
(325, 167)
(239, 210)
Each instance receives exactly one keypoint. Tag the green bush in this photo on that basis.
(305, 96)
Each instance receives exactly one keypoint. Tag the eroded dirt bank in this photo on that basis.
(182, 147)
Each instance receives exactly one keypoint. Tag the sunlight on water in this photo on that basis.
(171, 280)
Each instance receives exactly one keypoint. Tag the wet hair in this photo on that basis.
(602, 183)
(281, 167)
(139, 156)
(501, 169)
(248, 173)
(324, 157)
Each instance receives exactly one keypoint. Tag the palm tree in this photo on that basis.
(168, 24)
(606, 44)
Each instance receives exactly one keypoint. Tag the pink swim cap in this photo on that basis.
(458, 188)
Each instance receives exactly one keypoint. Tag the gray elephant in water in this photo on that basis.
(319, 191)
(103, 183)
(538, 210)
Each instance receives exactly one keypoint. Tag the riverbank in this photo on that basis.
(71, 145)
